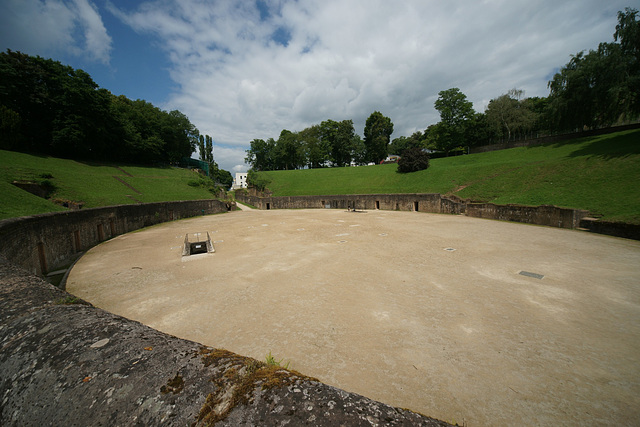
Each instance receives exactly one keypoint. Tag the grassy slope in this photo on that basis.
(600, 174)
(94, 185)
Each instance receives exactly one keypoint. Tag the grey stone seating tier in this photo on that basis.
(65, 362)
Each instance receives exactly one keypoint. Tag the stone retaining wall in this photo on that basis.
(44, 243)
(433, 203)
(65, 362)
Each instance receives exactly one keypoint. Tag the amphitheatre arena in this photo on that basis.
(466, 320)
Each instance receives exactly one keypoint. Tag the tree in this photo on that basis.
(338, 136)
(402, 143)
(208, 149)
(257, 180)
(315, 149)
(413, 160)
(288, 152)
(260, 154)
(600, 87)
(509, 113)
(540, 108)
(180, 136)
(377, 134)
(455, 113)
(358, 151)
(202, 148)
(222, 177)
(478, 131)
(628, 34)
(10, 124)
(52, 108)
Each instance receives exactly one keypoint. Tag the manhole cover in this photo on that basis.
(449, 249)
(529, 274)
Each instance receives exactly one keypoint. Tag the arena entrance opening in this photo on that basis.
(197, 243)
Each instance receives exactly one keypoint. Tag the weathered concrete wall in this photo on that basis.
(551, 216)
(400, 202)
(433, 203)
(43, 243)
(627, 231)
(64, 362)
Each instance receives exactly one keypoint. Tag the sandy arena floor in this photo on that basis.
(427, 312)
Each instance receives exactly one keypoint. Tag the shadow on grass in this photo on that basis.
(607, 147)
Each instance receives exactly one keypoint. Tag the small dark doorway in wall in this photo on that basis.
(112, 227)
(415, 206)
(378, 204)
(100, 233)
(268, 205)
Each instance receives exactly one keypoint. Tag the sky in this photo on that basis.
(242, 70)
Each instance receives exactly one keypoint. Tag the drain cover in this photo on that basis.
(449, 249)
(529, 274)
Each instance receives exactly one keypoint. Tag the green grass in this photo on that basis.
(600, 174)
(92, 184)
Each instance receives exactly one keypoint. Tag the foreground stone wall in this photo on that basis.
(65, 362)
(44, 243)
(433, 203)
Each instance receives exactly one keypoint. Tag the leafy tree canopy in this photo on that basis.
(51, 108)
(600, 87)
(377, 134)
(413, 160)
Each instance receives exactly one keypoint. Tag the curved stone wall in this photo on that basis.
(550, 216)
(65, 362)
(433, 203)
(44, 243)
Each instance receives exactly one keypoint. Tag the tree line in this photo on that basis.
(50, 108)
(595, 89)
(330, 143)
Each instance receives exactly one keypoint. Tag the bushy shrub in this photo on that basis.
(255, 180)
(413, 160)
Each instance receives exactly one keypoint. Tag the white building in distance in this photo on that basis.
(240, 181)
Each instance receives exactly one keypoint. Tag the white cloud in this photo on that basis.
(230, 158)
(244, 74)
(97, 41)
(48, 27)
